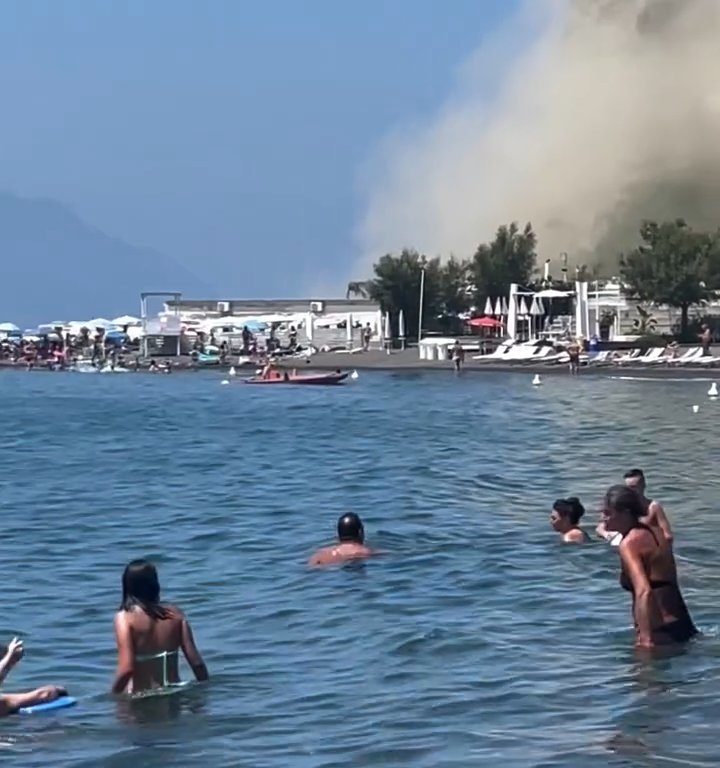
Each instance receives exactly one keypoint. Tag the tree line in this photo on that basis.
(672, 265)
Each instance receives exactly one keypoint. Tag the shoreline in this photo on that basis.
(407, 361)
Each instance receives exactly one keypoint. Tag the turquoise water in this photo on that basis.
(476, 638)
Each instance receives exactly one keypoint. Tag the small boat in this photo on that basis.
(318, 379)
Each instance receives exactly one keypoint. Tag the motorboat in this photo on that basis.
(288, 377)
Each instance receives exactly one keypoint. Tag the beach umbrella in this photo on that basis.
(401, 327)
(488, 307)
(349, 330)
(388, 332)
(127, 320)
(498, 308)
(522, 307)
(484, 322)
(504, 306)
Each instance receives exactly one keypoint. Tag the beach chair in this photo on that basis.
(649, 357)
(602, 358)
(500, 353)
(688, 357)
(634, 353)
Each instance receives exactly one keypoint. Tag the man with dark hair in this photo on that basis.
(655, 516)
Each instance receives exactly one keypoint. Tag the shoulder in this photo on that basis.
(575, 536)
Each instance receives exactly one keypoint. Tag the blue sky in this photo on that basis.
(229, 135)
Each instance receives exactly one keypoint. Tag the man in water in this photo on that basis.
(573, 350)
(350, 546)
(655, 516)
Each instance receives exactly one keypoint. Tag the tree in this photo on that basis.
(509, 258)
(645, 322)
(396, 286)
(673, 266)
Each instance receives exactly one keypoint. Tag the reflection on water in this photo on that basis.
(476, 638)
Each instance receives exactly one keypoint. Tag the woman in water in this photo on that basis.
(565, 519)
(12, 702)
(648, 572)
(350, 546)
(149, 635)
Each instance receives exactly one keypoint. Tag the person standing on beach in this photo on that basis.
(706, 340)
(366, 336)
(573, 350)
(458, 356)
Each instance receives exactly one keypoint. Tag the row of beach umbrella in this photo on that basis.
(499, 308)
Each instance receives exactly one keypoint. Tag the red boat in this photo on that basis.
(318, 379)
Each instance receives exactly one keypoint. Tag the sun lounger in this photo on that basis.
(649, 357)
(634, 353)
(688, 357)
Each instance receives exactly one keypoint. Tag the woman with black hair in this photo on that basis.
(648, 572)
(565, 519)
(149, 635)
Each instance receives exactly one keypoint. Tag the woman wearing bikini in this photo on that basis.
(648, 572)
(150, 635)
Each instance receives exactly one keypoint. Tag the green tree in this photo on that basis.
(509, 258)
(396, 286)
(673, 265)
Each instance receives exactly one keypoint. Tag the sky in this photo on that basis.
(233, 136)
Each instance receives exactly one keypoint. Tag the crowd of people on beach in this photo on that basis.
(150, 634)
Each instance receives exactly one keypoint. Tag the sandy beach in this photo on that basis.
(407, 361)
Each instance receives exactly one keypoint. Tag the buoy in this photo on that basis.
(536, 380)
(713, 391)
(232, 372)
(224, 381)
(696, 408)
(354, 375)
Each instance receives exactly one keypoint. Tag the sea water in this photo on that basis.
(475, 639)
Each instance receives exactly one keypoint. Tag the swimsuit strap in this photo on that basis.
(160, 655)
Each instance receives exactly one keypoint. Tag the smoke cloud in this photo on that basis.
(608, 113)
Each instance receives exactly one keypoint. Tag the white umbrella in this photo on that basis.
(498, 308)
(127, 320)
(504, 306)
(349, 330)
(534, 308)
(522, 307)
(9, 327)
(401, 327)
(488, 307)
(388, 332)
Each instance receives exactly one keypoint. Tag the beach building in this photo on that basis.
(322, 323)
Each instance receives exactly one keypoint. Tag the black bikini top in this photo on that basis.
(626, 582)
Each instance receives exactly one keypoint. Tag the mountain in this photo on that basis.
(55, 266)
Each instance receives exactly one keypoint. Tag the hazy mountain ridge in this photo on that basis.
(55, 266)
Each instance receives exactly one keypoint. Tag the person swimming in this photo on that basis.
(654, 515)
(565, 519)
(350, 546)
(648, 572)
(150, 634)
(12, 702)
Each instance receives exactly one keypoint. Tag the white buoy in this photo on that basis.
(696, 408)
(354, 375)
(713, 391)
(232, 371)
(224, 381)
(536, 380)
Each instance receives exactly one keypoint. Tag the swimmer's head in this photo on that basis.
(140, 585)
(350, 528)
(566, 514)
(635, 479)
(623, 509)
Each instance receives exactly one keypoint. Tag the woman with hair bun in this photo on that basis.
(565, 519)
